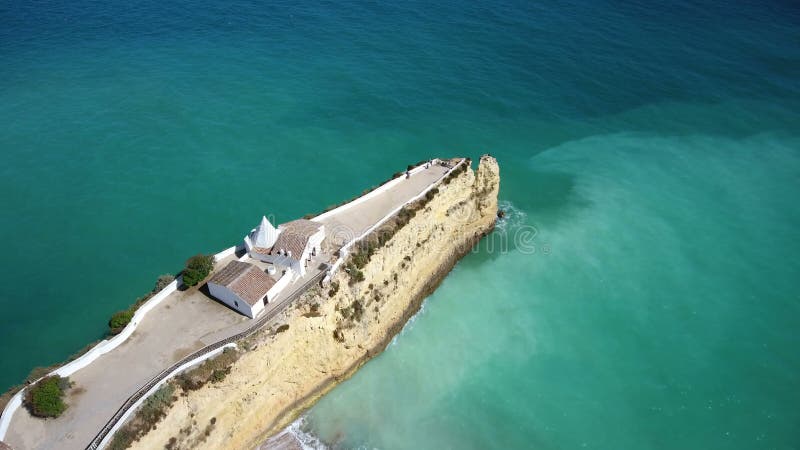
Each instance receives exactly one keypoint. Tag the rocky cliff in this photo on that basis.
(332, 331)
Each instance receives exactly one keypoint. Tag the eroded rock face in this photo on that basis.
(330, 337)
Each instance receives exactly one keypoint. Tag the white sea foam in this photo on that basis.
(513, 217)
(409, 324)
(306, 439)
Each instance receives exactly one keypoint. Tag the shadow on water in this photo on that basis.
(546, 196)
(532, 201)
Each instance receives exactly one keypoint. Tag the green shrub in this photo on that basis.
(46, 397)
(163, 281)
(219, 375)
(360, 260)
(430, 194)
(155, 406)
(208, 371)
(313, 311)
(191, 277)
(334, 289)
(356, 276)
(119, 320)
(197, 268)
(282, 328)
(123, 438)
(358, 310)
(338, 335)
(203, 263)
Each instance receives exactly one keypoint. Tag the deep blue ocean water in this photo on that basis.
(654, 148)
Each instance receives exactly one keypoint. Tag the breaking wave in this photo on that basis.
(299, 430)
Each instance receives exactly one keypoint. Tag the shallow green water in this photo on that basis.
(649, 311)
(654, 149)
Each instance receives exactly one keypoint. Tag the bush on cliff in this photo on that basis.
(334, 289)
(212, 370)
(356, 276)
(46, 397)
(197, 268)
(120, 319)
(162, 282)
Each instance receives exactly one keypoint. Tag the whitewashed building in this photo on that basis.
(245, 288)
(291, 245)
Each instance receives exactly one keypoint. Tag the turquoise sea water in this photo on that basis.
(655, 149)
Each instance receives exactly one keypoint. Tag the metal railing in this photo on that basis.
(168, 372)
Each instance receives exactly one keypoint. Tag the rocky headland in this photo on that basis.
(332, 330)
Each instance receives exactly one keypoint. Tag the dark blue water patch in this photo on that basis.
(582, 59)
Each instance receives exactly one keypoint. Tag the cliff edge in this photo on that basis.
(334, 330)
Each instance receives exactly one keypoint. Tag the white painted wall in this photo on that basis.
(315, 241)
(230, 298)
(279, 286)
(298, 267)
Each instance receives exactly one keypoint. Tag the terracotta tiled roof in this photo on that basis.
(261, 250)
(294, 237)
(246, 280)
(301, 226)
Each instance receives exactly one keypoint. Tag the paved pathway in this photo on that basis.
(182, 323)
(352, 222)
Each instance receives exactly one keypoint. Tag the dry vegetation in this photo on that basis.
(156, 406)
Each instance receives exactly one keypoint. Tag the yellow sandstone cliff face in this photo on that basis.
(284, 373)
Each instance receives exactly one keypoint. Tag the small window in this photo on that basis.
(236, 303)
